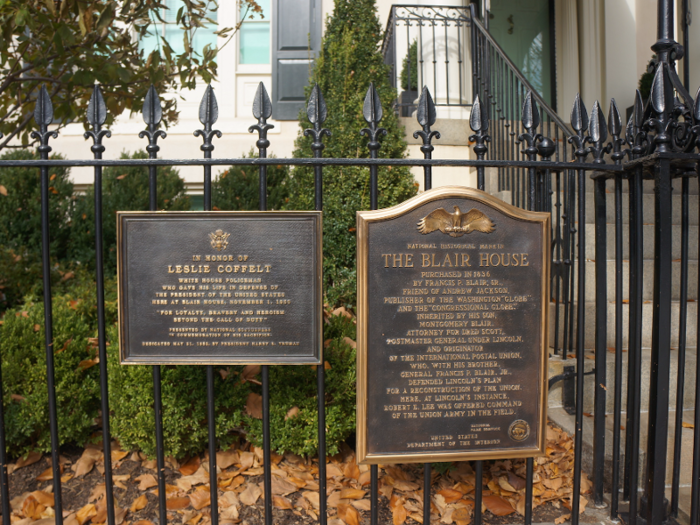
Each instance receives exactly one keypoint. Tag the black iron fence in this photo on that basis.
(660, 143)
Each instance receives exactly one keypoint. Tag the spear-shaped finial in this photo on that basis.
(262, 110)
(317, 112)
(479, 123)
(615, 128)
(208, 115)
(531, 121)
(579, 121)
(373, 113)
(598, 133)
(43, 115)
(152, 114)
(426, 116)
(97, 116)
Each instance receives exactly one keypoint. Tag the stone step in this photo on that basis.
(567, 423)
(647, 282)
(647, 310)
(647, 186)
(557, 364)
(648, 244)
(647, 208)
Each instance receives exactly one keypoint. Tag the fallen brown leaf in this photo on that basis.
(352, 517)
(87, 461)
(225, 459)
(253, 406)
(350, 493)
(86, 513)
(177, 503)
(292, 413)
(200, 498)
(3, 190)
(281, 502)
(146, 481)
(498, 506)
(190, 467)
(250, 495)
(399, 514)
(29, 459)
(139, 503)
(687, 425)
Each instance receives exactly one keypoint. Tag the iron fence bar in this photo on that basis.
(601, 300)
(566, 266)
(372, 112)
(316, 112)
(262, 110)
(325, 161)
(617, 403)
(152, 115)
(695, 488)
(529, 474)
(4, 486)
(208, 114)
(682, 324)
(657, 437)
(580, 334)
(97, 113)
(44, 115)
(557, 261)
(478, 491)
(635, 342)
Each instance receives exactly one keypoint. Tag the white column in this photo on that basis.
(591, 33)
(567, 68)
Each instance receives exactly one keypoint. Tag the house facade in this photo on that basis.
(598, 48)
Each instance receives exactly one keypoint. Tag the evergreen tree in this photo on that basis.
(349, 60)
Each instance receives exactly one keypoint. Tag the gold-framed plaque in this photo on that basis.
(220, 287)
(452, 353)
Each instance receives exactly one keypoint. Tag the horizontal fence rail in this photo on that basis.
(598, 148)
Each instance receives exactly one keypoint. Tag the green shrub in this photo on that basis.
(185, 403)
(76, 374)
(21, 277)
(237, 188)
(20, 209)
(295, 386)
(410, 62)
(124, 188)
(348, 61)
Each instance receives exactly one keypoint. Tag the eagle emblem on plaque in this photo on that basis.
(455, 224)
(219, 240)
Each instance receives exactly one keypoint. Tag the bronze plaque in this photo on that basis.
(452, 325)
(220, 287)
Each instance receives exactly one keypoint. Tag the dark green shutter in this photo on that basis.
(296, 38)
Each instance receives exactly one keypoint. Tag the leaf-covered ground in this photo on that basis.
(294, 489)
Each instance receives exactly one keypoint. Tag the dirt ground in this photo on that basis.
(294, 481)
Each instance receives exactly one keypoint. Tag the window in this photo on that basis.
(170, 31)
(254, 35)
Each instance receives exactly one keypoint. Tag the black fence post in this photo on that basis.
(43, 115)
(152, 114)
(262, 110)
(97, 115)
(208, 115)
(372, 112)
(316, 111)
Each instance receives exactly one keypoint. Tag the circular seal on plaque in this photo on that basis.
(519, 430)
